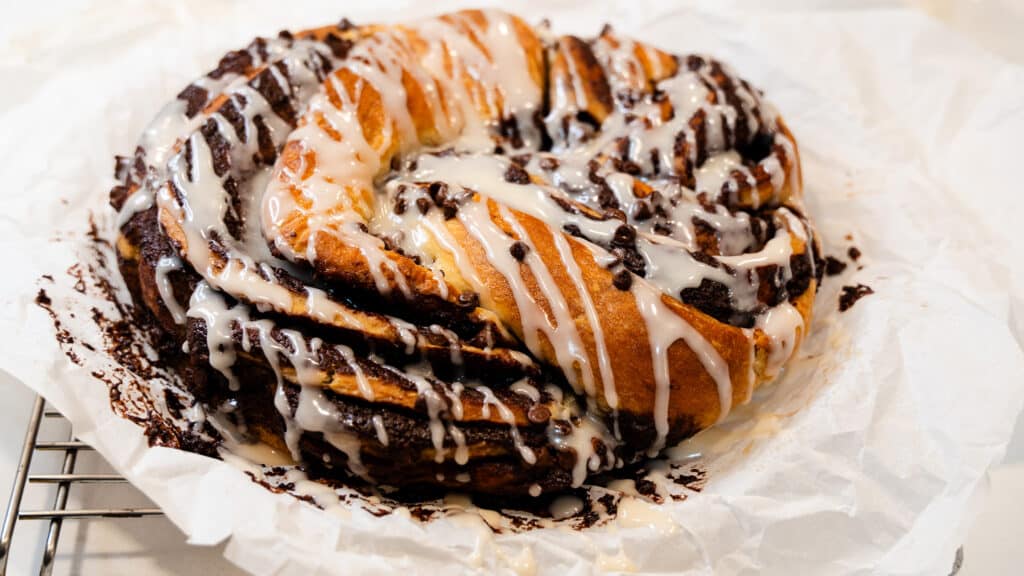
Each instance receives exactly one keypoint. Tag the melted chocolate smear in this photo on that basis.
(851, 294)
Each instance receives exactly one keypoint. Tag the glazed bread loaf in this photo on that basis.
(468, 253)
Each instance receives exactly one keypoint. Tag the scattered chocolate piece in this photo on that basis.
(834, 266)
(854, 253)
(851, 294)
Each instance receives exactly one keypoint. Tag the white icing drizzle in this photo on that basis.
(783, 325)
(565, 507)
(525, 452)
(378, 427)
(524, 388)
(163, 267)
(664, 328)
(365, 390)
(603, 357)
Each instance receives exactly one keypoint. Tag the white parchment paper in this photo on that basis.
(868, 457)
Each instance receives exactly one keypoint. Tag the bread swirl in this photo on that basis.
(465, 252)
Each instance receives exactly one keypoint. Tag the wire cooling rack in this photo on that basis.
(67, 477)
(64, 480)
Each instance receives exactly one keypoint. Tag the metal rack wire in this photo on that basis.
(67, 477)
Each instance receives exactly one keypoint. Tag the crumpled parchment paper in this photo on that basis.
(869, 455)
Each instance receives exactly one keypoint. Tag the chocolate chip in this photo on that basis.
(437, 190)
(539, 414)
(642, 211)
(759, 147)
(622, 280)
(854, 253)
(339, 46)
(516, 175)
(400, 205)
(625, 236)
(520, 160)
(562, 427)
(646, 487)
(801, 271)
(519, 250)
(549, 164)
(423, 204)
(573, 230)
(632, 260)
(468, 299)
(715, 299)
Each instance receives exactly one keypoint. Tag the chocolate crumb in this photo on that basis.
(854, 253)
(625, 236)
(851, 294)
(43, 299)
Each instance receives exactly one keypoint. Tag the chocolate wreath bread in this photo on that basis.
(467, 253)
